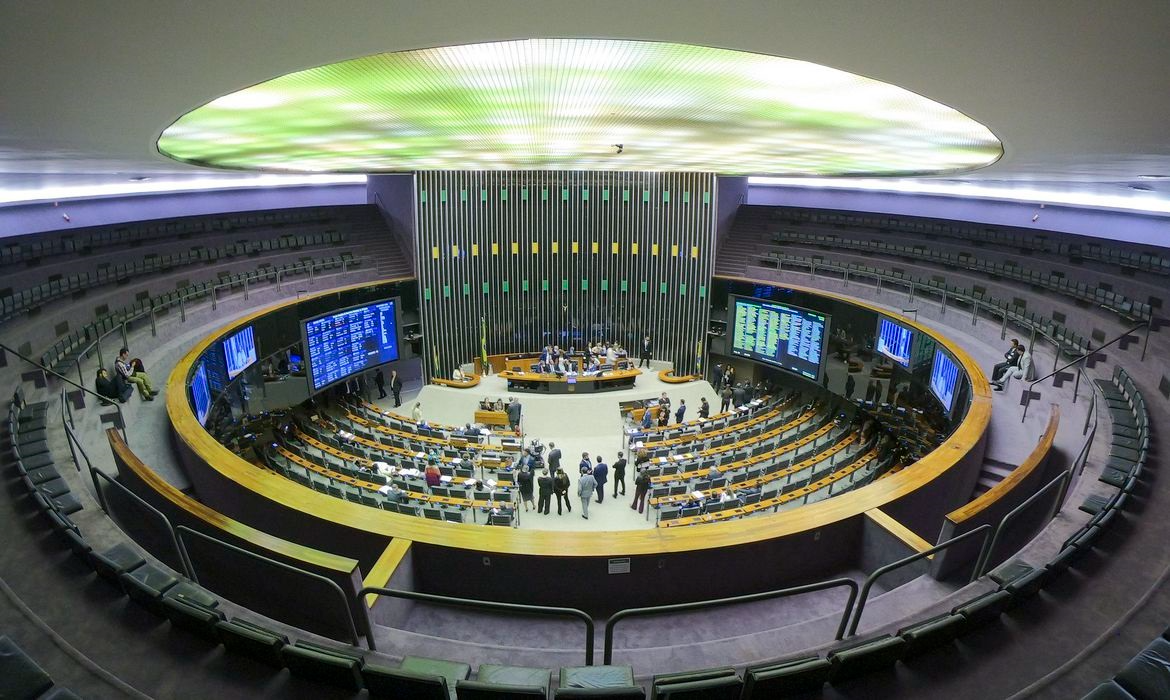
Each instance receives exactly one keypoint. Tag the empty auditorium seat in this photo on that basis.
(801, 675)
(113, 562)
(1147, 675)
(924, 636)
(710, 684)
(596, 677)
(865, 657)
(251, 640)
(323, 664)
(494, 682)
(20, 676)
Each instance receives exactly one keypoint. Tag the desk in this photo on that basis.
(555, 384)
(499, 418)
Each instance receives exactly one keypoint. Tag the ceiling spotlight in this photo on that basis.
(620, 147)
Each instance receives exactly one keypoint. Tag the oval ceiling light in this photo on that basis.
(580, 104)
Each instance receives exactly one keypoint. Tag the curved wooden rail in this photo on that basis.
(285, 495)
(668, 376)
(1031, 465)
(472, 380)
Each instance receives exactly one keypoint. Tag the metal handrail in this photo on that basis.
(1079, 358)
(883, 570)
(182, 554)
(720, 602)
(985, 555)
(346, 603)
(549, 610)
(70, 382)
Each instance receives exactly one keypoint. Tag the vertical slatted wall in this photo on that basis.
(563, 258)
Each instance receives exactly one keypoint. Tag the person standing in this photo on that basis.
(704, 408)
(561, 489)
(544, 486)
(850, 386)
(554, 458)
(524, 481)
(395, 387)
(647, 418)
(681, 412)
(584, 465)
(739, 396)
(645, 352)
(641, 486)
(416, 412)
(513, 413)
(380, 382)
(619, 475)
(600, 475)
(663, 416)
(725, 399)
(586, 485)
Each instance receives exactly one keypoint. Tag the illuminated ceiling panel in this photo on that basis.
(567, 104)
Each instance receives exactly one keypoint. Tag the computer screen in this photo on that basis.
(200, 394)
(239, 351)
(944, 378)
(784, 336)
(344, 343)
(894, 341)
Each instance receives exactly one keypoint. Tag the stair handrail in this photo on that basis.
(1070, 363)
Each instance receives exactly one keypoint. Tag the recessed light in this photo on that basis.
(1153, 177)
(140, 178)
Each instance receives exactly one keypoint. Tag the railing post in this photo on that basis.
(245, 288)
(214, 296)
(125, 336)
(1003, 329)
(153, 326)
(183, 308)
(101, 359)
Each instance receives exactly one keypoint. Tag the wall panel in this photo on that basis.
(564, 258)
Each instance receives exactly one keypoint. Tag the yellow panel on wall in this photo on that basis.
(615, 247)
(474, 250)
(495, 248)
(556, 247)
(535, 247)
(576, 248)
(454, 251)
(633, 249)
(674, 250)
(515, 247)
(594, 247)
(435, 252)
(654, 249)
(694, 251)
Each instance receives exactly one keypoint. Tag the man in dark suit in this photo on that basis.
(1011, 359)
(681, 412)
(544, 485)
(395, 388)
(619, 475)
(554, 457)
(600, 475)
(584, 465)
(380, 382)
(513, 413)
(645, 352)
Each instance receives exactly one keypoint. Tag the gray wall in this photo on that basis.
(394, 197)
(531, 294)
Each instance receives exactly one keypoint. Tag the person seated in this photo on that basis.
(433, 476)
(544, 367)
(126, 370)
(458, 375)
(395, 494)
(594, 366)
(714, 473)
(486, 404)
(727, 495)
(111, 388)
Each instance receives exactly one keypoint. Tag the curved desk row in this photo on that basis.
(534, 382)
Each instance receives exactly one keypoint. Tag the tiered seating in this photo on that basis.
(27, 442)
(77, 344)
(1131, 428)
(1145, 677)
(33, 298)
(1122, 305)
(21, 677)
(722, 427)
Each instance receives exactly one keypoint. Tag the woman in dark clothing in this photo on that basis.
(524, 479)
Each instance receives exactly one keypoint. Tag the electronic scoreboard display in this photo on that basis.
(784, 336)
(344, 343)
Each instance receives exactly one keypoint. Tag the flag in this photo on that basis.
(699, 356)
(483, 356)
(435, 368)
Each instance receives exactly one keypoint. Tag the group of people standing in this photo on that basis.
(593, 476)
(659, 414)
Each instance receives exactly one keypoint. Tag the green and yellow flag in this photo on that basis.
(699, 356)
(435, 356)
(483, 356)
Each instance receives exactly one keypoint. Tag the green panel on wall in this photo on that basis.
(463, 195)
(645, 196)
(422, 196)
(702, 291)
(564, 284)
(503, 194)
(662, 288)
(605, 285)
(625, 286)
(485, 287)
(544, 285)
(524, 285)
(625, 195)
(686, 197)
(665, 195)
(504, 286)
(427, 293)
(564, 194)
(443, 196)
(544, 194)
(524, 194)
(447, 291)
(643, 287)
(605, 194)
(466, 288)
(483, 195)
(706, 198)
(682, 289)
(584, 194)
(585, 284)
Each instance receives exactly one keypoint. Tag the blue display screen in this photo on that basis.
(894, 340)
(200, 394)
(239, 352)
(345, 343)
(786, 336)
(944, 378)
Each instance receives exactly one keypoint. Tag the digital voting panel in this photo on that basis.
(777, 334)
(344, 343)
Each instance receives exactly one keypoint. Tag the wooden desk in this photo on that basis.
(499, 418)
(471, 381)
(533, 382)
(374, 408)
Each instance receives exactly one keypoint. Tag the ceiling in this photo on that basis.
(1076, 91)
